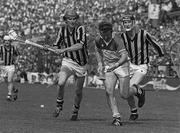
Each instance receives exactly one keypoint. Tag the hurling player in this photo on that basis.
(9, 55)
(137, 42)
(71, 42)
(114, 62)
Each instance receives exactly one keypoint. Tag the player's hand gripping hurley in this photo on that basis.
(13, 36)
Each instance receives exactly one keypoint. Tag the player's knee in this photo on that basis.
(10, 81)
(61, 81)
(63, 76)
(109, 92)
(78, 92)
(124, 95)
(60, 88)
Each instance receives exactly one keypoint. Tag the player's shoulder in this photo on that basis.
(117, 36)
(97, 38)
(62, 25)
(15, 44)
(80, 26)
(138, 29)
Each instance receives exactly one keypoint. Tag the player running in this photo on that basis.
(71, 41)
(9, 56)
(114, 63)
(137, 42)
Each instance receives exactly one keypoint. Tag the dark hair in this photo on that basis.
(70, 13)
(105, 26)
(128, 17)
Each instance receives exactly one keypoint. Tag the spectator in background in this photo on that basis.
(178, 3)
(166, 7)
(23, 75)
(175, 6)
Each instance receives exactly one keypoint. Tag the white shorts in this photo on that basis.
(5, 70)
(122, 71)
(138, 69)
(80, 71)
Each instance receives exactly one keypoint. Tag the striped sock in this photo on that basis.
(116, 115)
(59, 102)
(138, 89)
(75, 108)
(134, 111)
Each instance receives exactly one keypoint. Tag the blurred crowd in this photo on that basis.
(39, 20)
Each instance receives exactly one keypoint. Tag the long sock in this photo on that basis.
(116, 115)
(15, 90)
(134, 111)
(75, 108)
(138, 89)
(59, 102)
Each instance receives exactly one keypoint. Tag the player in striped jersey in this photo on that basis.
(114, 63)
(137, 42)
(8, 59)
(71, 43)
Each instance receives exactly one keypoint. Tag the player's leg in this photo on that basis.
(136, 78)
(124, 87)
(110, 84)
(126, 90)
(12, 91)
(125, 94)
(131, 101)
(133, 109)
(64, 74)
(123, 75)
(78, 96)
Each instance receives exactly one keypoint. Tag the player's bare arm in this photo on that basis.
(122, 60)
(99, 59)
(75, 47)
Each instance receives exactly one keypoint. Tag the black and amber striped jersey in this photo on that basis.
(8, 54)
(67, 39)
(138, 46)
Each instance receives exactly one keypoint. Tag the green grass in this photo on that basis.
(161, 113)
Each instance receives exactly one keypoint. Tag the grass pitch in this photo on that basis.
(160, 114)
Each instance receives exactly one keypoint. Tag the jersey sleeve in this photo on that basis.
(81, 35)
(59, 39)
(16, 51)
(119, 44)
(153, 43)
(1, 49)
